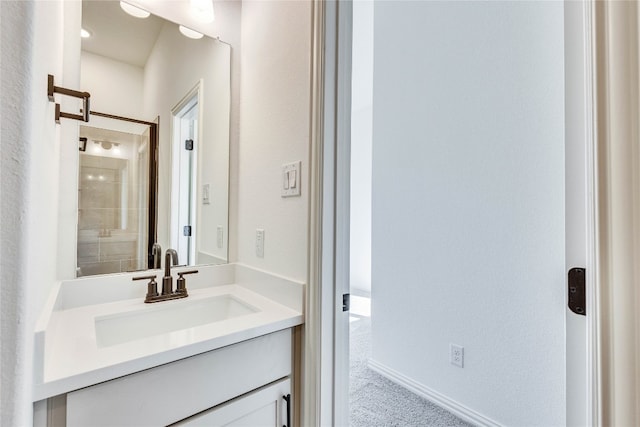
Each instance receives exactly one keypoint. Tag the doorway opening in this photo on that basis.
(374, 400)
(444, 217)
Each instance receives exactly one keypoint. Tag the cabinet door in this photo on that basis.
(261, 408)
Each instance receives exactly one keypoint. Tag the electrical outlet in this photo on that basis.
(456, 355)
(220, 236)
(260, 242)
(205, 194)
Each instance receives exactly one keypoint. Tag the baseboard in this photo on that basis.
(433, 396)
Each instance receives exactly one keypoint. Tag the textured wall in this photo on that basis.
(17, 36)
(33, 202)
(274, 129)
(468, 202)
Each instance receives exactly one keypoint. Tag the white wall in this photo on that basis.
(274, 129)
(115, 87)
(36, 41)
(468, 203)
(361, 127)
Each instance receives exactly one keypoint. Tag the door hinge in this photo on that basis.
(186, 231)
(188, 144)
(346, 302)
(577, 292)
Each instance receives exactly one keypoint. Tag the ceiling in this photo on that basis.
(117, 35)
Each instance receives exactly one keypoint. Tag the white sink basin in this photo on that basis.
(169, 316)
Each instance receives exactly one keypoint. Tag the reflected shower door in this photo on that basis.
(113, 200)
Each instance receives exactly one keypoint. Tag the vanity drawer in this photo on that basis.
(175, 391)
(265, 407)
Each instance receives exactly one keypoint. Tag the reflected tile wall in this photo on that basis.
(112, 202)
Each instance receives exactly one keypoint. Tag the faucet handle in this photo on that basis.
(181, 283)
(187, 272)
(152, 287)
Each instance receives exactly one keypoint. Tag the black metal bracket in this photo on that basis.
(51, 89)
(188, 144)
(577, 299)
(346, 302)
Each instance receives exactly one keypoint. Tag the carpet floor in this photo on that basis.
(378, 402)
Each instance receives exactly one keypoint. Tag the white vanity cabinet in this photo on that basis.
(241, 384)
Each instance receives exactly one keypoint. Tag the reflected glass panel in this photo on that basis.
(113, 201)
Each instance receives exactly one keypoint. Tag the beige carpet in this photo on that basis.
(376, 401)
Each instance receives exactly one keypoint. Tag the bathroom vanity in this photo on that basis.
(222, 356)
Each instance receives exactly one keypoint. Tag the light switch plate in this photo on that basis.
(290, 182)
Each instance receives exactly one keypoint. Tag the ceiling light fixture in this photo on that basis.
(105, 145)
(85, 34)
(188, 32)
(134, 10)
(202, 10)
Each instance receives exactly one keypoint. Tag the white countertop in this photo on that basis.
(68, 356)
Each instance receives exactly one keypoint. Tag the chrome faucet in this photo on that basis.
(156, 252)
(167, 281)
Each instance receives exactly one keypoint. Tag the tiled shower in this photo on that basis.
(112, 202)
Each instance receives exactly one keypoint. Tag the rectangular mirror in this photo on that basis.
(147, 71)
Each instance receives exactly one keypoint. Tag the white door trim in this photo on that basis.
(343, 213)
(580, 210)
(317, 358)
(329, 216)
(593, 398)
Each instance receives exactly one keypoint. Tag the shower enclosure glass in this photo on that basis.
(113, 200)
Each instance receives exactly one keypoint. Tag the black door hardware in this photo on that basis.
(577, 293)
(287, 399)
(346, 302)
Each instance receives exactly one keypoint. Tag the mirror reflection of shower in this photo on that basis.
(113, 200)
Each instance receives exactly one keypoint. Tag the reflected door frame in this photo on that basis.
(185, 125)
